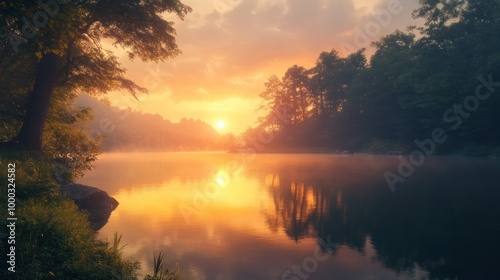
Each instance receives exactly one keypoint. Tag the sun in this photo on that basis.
(220, 124)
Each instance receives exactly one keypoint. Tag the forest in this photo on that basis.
(437, 80)
(128, 130)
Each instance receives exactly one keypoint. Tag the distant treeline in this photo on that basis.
(126, 130)
(444, 82)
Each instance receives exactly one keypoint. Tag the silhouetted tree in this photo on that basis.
(409, 88)
(62, 41)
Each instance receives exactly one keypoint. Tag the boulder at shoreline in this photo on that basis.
(96, 202)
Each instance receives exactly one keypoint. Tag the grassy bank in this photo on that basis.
(53, 240)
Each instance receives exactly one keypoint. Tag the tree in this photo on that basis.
(332, 78)
(387, 86)
(446, 79)
(276, 103)
(62, 41)
(296, 86)
(30, 135)
(460, 44)
(326, 83)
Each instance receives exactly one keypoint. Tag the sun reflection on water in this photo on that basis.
(257, 223)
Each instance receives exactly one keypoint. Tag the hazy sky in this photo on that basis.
(230, 48)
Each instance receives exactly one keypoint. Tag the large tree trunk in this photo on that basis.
(30, 135)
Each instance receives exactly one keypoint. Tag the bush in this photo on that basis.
(53, 238)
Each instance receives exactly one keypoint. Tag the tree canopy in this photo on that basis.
(72, 35)
(444, 79)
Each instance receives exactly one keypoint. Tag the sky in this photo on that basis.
(231, 47)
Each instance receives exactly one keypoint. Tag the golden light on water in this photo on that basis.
(215, 221)
(210, 195)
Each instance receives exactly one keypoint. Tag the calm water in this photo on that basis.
(223, 216)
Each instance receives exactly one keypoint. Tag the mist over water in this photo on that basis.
(237, 216)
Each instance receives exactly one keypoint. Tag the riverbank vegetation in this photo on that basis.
(443, 76)
(53, 239)
(50, 53)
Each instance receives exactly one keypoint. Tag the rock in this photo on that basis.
(97, 203)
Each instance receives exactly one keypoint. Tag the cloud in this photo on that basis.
(230, 47)
(251, 37)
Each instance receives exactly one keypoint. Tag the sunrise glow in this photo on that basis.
(220, 125)
(230, 49)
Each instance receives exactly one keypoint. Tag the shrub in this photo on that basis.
(53, 238)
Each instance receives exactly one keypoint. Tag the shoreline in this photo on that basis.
(326, 151)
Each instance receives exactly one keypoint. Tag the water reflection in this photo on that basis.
(441, 224)
(444, 220)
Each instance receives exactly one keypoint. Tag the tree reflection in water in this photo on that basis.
(444, 219)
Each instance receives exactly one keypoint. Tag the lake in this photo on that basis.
(305, 216)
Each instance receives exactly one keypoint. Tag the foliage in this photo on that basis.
(405, 91)
(74, 31)
(53, 238)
